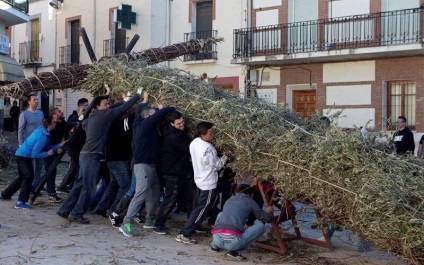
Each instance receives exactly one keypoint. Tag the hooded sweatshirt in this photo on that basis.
(37, 145)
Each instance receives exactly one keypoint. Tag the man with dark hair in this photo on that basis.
(206, 164)
(96, 127)
(174, 165)
(37, 145)
(118, 157)
(403, 138)
(146, 148)
(83, 102)
(29, 120)
(229, 230)
(74, 149)
(59, 133)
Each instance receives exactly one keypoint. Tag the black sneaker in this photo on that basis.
(63, 215)
(215, 250)
(159, 231)
(101, 213)
(115, 220)
(235, 255)
(4, 199)
(62, 191)
(81, 220)
(201, 230)
(139, 219)
(55, 199)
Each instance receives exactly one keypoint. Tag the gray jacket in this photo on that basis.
(236, 211)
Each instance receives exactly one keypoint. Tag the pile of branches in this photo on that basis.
(6, 153)
(70, 76)
(376, 194)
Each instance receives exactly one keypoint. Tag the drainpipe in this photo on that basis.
(247, 83)
(94, 26)
(168, 27)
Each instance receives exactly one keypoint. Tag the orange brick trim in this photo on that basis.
(70, 19)
(190, 8)
(111, 16)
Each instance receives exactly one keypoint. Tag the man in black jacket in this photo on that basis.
(403, 138)
(74, 149)
(174, 164)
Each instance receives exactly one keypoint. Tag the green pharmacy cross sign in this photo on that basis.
(126, 17)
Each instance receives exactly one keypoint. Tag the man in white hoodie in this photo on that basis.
(206, 164)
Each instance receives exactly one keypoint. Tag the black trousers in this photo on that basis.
(172, 189)
(206, 198)
(23, 181)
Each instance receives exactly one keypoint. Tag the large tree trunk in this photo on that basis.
(69, 77)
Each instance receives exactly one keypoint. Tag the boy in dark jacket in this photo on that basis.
(403, 138)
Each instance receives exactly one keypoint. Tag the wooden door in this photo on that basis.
(304, 102)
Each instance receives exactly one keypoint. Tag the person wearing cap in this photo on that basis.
(229, 231)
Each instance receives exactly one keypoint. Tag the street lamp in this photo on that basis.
(55, 3)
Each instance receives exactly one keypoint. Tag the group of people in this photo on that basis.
(39, 141)
(141, 155)
(11, 116)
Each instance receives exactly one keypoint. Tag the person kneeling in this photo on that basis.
(229, 231)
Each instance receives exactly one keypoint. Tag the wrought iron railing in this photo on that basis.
(29, 52)
(69, 54)
(369, 30)
(22, 5)
(114, 46)
(208, 52)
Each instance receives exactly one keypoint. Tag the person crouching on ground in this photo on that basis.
(36, 146)
(229, 231)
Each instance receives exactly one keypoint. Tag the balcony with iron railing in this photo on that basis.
(362, 36)
(69, 55)
(21, 5)
(114, 46)
(29, 53)
(208, 52)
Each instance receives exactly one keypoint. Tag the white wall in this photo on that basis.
(343, 8)
(354, 117)
(390, 5)
(302, 10)
(266, 18)
(348, 95)
(230, 15)
(265, 3)
(349, 72)
(268, 94)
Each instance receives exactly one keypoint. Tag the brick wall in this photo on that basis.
(407, 68)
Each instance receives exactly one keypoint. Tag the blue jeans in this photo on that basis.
(234, 243)
(118, 186)
(84, 188)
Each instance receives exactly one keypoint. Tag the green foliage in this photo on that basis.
(354, 183)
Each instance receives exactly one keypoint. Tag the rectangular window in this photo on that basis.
(75, 44)
(35, 41)
(401, 101)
